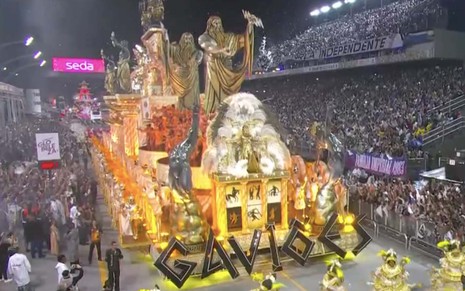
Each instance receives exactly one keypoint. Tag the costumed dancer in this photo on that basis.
(392, 276)
(452, 267)
(333, 280)
(267, 282)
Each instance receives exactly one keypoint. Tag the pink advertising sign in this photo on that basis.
(85, 66)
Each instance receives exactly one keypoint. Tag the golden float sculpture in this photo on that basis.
(176, 164)
(222, 78)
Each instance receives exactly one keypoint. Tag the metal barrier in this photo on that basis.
(444, 130)
(451, 105)
(405, 228)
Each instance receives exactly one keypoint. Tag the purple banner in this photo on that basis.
(376, 164)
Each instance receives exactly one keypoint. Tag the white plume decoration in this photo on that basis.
(239, 169)
(244, 109)
(267, 166)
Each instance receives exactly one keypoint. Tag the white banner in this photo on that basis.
(369, 45)
(48, 146)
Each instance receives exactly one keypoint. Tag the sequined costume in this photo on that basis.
(392, 276)
(333, 280)
(452, 267)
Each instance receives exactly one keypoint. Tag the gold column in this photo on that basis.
(284, 204)
(264, 199)
(220, 212)
(244, 208)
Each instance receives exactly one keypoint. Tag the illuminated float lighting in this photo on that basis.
(43, 63)
(325, 9)
(315, 13)
(337, 5)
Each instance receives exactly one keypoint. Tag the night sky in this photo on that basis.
(80, 28)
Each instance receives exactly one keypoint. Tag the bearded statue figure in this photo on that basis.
(185, 59)
(110, 74)
(222, 78)
(124, 71)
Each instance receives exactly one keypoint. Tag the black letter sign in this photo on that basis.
(274, 248)
(247, 261)
(186, 267)
(288, 247)
(209, 267)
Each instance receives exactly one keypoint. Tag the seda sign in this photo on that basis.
(179, 270)
(85, 66)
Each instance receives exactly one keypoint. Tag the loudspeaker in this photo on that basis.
(455, 170)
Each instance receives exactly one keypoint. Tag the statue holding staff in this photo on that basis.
(222, 78)
(184, 74)
(110, 75)
(124, 71)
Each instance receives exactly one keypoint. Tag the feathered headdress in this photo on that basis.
(391, 255)
(335, 268)
(449, 245)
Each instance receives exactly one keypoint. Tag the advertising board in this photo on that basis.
(85, 66)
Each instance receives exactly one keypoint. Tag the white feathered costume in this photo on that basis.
(226, 129)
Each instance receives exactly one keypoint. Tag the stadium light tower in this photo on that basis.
(337, 5)
(325, 9)
(315, 13)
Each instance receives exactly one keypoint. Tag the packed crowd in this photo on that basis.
(440, 205)
(401, 16)
(387, 111)
(45, 212)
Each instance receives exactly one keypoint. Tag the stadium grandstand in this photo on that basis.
(387, 80)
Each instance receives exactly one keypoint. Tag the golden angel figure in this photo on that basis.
(124, 71)
(184, 73)
(222, 79)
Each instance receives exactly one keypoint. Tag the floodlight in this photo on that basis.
(28, 41)
(37, 55)
(337, 5)
(43, 63)
(315, 13)
(325, 9)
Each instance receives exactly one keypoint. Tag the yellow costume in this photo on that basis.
(333, 280)
(449, 275)
(267, 282)
(392, 276)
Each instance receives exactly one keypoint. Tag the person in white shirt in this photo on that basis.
(61, 266)
(74, 215)
(19, 269)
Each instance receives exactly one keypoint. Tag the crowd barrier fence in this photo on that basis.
(411, 231)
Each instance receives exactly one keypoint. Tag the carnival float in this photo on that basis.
(192, 174)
